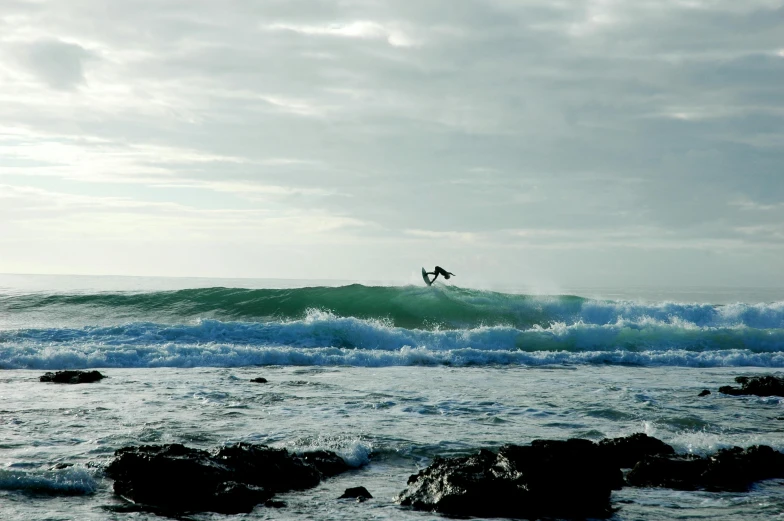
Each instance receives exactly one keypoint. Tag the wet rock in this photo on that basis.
(259, 380)
(72, 377)
(328, 463)
(732, 470)
(177, 478)
(358, 493)
(756, 385)
(230, 480)
(274, 469)
(626, 452)
(678, 472)
(567, 479)
(704, 392)
(61, 466)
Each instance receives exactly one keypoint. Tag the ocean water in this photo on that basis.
(387, 376)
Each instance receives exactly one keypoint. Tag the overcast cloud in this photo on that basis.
(543, 142)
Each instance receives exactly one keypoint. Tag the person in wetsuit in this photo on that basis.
(438, 270)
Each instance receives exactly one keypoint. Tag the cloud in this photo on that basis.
(423, 124)
(363, 29)
(58, 64)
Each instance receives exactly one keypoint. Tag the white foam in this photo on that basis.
(224, 355)
(321, 338)
(355, 451)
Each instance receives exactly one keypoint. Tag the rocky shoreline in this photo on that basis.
(571, 479)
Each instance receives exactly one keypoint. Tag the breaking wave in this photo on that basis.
(375, 326)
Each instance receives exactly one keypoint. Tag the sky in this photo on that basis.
(545, 143)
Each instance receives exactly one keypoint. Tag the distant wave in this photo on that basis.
(378, 326)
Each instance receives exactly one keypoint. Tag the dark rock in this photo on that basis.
(231, 497)
(233, 479)
(626, 452)
(60, 466)
(72, 377)
(678, 472)
(176, 478)
(704, 392)
(546, 479)
(732, 469)
(358, 493)
(259, 380)
(736, 469)
(756, 385)
(328, 463)
(274, 469)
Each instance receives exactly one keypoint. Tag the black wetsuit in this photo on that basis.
(438, 270)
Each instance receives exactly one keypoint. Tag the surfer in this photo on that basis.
(438, 270)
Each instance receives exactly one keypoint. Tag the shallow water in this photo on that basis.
(388, 421)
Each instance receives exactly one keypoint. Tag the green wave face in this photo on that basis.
(409, 307)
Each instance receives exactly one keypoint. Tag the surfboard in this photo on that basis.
(424, 276)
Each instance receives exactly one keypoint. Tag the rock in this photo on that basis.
(678, 472)
(72, 377)
(178, 479)
(756, 385)
(233, 479)
(733, 470)
(626, 452)
(259, 380)
(358, 493)
(328, 463)
(568, 479)
(704, 392)
(61, 466)
(274, 469)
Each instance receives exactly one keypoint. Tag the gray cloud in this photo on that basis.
(59, 64)
(474, 117)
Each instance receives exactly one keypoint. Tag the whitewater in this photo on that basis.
(388, 376)
(361, 325)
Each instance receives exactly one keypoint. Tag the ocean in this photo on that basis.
(387, 376)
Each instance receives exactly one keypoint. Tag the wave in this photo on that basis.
(377, 326)
(409, 307)
(235, 356)
(70, 482)
(323, 338)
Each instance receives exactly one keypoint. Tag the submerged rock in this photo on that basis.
(358, 493)
(259, 380)
(756, 385)
(733, 470)
(704, 392)
(231, 480)
(568, 479)
(72, 377)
